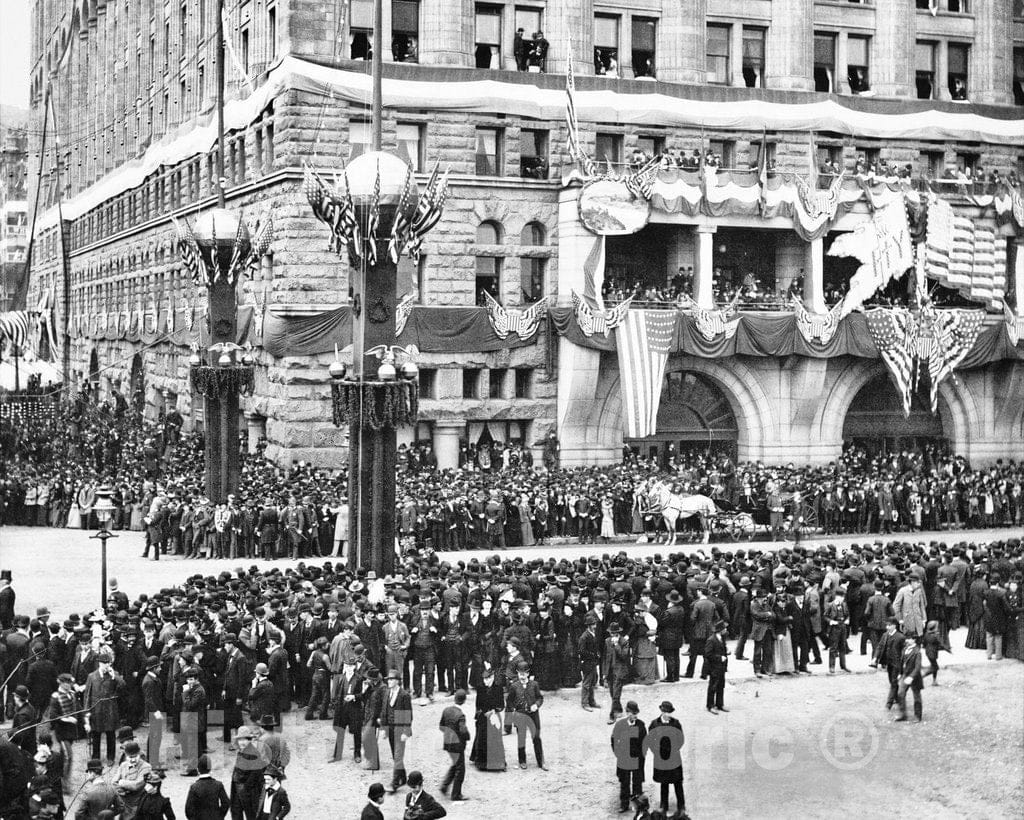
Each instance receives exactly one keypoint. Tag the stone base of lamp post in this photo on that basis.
(220, 388)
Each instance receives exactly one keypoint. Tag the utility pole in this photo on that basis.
(221, 201)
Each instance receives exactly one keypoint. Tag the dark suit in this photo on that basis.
(628, 745)
(888, 653)
(396, 719)
(428, 808)
(348, 714)
(671, 634)
(715, 662)
(910, 678)
(371, 812)
(590, 659)
(456, 736)
(279, 805)
(702, 615)
(762, 633)
(206, 800)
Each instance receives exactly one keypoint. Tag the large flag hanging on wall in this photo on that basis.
(962, 255)
(643, 341)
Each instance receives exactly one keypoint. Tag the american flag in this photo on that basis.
(593, 320)
(189, 250)
(643, 340)
(400, 227)
(523, 323)
(962, 255)
(954, 333)
(593, 274)
(372, 222)
(575, 148)
(346, 226)
(894, 333)
(641, 182)
(428, 212)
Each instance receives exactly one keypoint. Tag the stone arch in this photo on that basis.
(750, 405)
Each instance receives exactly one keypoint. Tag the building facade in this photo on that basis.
(129, 90)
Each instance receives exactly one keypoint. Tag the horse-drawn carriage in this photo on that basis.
(799, 517)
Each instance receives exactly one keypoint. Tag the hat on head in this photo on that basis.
(154, 778)
(245, 732)
(666, 706)
(268, 722)
(21, 692)
(262, 669)
(94, 766)
(125, 733)
(274, 772)
(614, 628)
(376, 792)
(522, 666)
(632, 708)
(394, 674)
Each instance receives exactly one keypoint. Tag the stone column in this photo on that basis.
(570, 20)
(789, 50)
(893, 45)
(703, 282)
(446, 443)
(682, 42)
(814, 274)
(446, 33)
(990, 70)
(841, 84)
(942, 72)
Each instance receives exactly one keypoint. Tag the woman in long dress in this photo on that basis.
(138, 512)
(976, 612)
(607, 518)
(783, 645)
(526, 520)
(645, 654)
(488, 752)
(74, 513)
(546, 666)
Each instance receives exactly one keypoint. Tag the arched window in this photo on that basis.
(488, 261)
(532, 267)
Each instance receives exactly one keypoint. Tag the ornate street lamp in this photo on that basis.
(104, 509)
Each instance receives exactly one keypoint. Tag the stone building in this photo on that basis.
(130, 84)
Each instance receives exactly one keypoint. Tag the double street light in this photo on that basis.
(104, 509)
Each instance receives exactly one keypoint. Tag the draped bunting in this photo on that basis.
(170, 324)
(431, 329)
(776, 334)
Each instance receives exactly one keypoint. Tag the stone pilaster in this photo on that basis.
(446, 32)
(703, 275)
(571, 20)
(991, 61)
(446, 443)
(682, 42)
(892, 74)
(789, 50)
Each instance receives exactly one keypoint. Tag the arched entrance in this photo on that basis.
(875, 420)
(694, 416)
(137, 386)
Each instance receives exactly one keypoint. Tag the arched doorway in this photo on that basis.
(875, 420)
(137, 386)
(694, 416)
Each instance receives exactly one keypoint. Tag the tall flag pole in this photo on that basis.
(575, 148)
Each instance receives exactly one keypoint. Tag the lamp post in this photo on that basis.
(103, 509)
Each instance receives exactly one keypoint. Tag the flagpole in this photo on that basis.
(376, 67)
(221, 199)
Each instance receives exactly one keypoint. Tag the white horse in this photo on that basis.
(666, 498)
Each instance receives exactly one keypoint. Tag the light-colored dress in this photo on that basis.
(74, 517)
(526, 523)
(607, 519)
(137, 515)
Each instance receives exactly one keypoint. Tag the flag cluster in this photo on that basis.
(643, 341)
(961, 255)
(523, 323)
(428, 212)
(337, 212)
(572, 123)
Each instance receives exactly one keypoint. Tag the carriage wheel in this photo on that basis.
(742, 526)
(807, 521)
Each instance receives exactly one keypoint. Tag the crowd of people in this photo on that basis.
(339, 643)
(499, 496)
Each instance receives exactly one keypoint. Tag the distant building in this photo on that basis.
(133, 91)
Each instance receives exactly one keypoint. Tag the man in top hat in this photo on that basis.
(418, 804)
(671, 634)
(348, 709)
(273, 803)
(238, 673)
(628, 745)
(716, 661)
(665, 739)
(396, 719)
(617, 666)
(523, 704)
(100, 699)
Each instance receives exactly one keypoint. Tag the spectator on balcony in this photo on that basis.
(537, 56)
(519, 49)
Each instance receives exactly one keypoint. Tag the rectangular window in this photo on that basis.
(201, 19)
(496, 383)
(958, 56)
(959, 6)
(167, 110)
(428, 383)
(489, 152)
(830, 159)
(471, 382)
(488, 279)
(650, 146)
(359, 140)
(924, 69)
(753, 57)
(967, 163)
(152, 58)
(272, 32)
(411, 144)
(723, 152)
(523, 382)
(857, 66)
(183, 99)
(167, 43)
(606, 45)
(824, 62)
(488, 37)
(533, 153)
(182, 30)
(245, 51)
(608, 148)
(645, 39)
(718, 37)
(201, 88)
(1018, 76)
(528, 56)
(405, 30)
(360, 29)
(531, 280)
(931, 164)
(268, 159)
